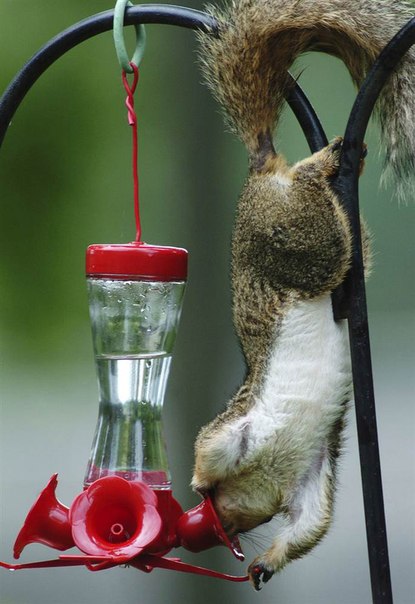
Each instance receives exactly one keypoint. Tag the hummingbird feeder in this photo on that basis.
(126, 513)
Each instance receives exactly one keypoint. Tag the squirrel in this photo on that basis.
(273, 451)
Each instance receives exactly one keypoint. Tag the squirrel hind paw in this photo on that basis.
(331, 156)
(336, 145)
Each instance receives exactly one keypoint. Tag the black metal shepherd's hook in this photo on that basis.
(350, 300)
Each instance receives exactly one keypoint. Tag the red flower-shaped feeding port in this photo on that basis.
(47, 522)
(115, 517)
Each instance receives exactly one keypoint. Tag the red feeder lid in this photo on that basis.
(136, 260)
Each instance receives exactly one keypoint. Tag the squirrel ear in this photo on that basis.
(220, 452)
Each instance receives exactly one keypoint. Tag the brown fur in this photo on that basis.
(259, 40)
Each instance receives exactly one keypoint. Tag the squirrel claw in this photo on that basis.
(362, 158)
(336, 144)
(259, 572)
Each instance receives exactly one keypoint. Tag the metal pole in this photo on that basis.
(351, 303)
(103, 22)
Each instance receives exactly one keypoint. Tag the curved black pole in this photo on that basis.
(146, 13)
(307, 118)
(351, 303)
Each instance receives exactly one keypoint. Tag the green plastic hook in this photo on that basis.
(118, 32)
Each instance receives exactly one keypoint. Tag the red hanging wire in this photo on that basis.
(132, 120)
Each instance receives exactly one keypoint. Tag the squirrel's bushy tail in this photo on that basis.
(246, 64)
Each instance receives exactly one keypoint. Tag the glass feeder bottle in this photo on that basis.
(135, 295)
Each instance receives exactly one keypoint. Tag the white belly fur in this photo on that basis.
(308, 377)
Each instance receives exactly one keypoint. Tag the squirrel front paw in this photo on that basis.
(268, 563)
(259, 572)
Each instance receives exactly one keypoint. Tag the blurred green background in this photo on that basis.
(65, 183)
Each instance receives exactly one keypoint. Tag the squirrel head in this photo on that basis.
(237, 484)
